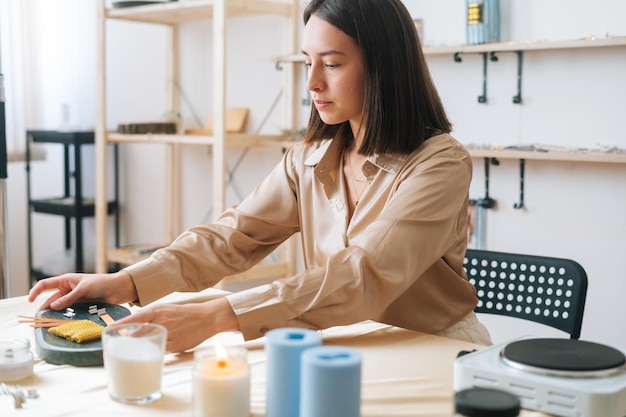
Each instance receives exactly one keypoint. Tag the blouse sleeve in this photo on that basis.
(240, 238)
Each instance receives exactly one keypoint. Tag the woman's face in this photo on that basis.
(336, 73)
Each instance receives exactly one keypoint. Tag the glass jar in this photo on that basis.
(16, 359)
(486, 402)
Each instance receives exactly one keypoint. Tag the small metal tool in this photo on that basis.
(19, 395)
(102, 313)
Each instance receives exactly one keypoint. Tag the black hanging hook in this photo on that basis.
(517, 98)
(306, 101)
(486, 201)
(520, 204)
(483, 97)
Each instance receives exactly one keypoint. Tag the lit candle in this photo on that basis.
(330, 382)
(283, 350)
(221, 382)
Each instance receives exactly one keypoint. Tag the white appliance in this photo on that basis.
(563, 377)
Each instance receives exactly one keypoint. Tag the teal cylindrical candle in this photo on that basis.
(330, 384)
(283, 350)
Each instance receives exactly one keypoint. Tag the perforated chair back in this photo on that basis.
(550, 291)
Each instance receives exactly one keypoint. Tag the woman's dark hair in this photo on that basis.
(401, 106)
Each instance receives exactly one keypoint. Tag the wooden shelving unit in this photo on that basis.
(171, 15)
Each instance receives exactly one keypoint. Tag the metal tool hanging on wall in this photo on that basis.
(520, 204)
(486, 203)
(306, 101)
(483, 204)
(517, 98)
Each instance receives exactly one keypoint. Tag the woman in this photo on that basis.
(378, 190)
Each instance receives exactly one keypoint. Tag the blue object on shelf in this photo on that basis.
(483, 21)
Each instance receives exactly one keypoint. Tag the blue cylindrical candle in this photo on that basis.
(330, 384)
(283, 351)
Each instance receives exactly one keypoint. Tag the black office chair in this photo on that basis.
(550, 291)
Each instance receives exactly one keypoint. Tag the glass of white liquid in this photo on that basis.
(133, 361)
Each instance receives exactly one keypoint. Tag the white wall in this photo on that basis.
(62, 73)
(571, 98)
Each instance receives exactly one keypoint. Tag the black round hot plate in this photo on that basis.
(566, 357)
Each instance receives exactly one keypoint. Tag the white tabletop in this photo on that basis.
(404, 373)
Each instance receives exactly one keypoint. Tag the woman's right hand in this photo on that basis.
(115, 288)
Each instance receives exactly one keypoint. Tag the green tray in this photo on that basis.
(60, 351)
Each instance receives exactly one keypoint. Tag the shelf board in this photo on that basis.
(62, 137)
(245, 140)
(595, 157)
(529, 46)
(233, 140)
(502, 47)
(186, 11)
(66, 206)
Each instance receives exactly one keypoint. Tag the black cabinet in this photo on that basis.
(71, 204)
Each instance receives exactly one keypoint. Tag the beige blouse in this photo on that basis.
(398, 260)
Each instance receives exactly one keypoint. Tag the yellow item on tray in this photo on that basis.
(78, 330)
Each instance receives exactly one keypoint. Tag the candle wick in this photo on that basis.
(221, 363)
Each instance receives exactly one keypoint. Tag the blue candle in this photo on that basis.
(283, 351)
(330, 384)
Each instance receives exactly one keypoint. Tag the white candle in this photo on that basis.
(130, 357)
(133, 359)
(221, 382)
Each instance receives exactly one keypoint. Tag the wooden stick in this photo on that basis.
(38, 322)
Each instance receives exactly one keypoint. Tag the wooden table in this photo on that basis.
(405, 373)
